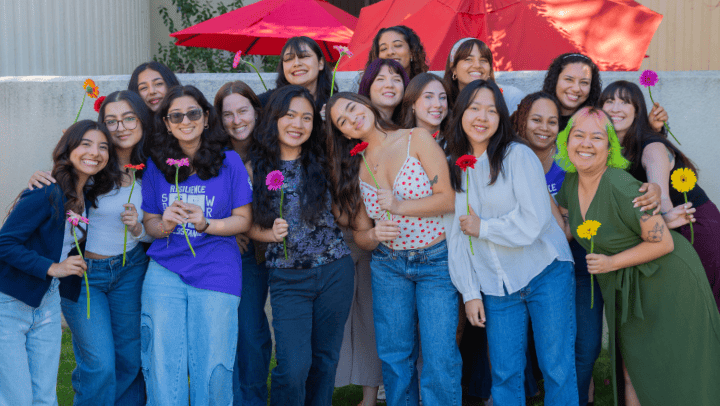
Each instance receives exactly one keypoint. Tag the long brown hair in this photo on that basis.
(345, 169)
(413, 92)
(463, 51)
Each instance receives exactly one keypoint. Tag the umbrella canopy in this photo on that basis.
(262, 28)
(522, 34)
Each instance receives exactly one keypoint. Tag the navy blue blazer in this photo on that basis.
(30, 241)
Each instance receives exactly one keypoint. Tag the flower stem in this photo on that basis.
(374, 180)
(258, 73)
(129, 197)
(87, 285)
(664, 123)
(282, 197)
(467, 201)
(332, 84)
(592, 282)
(81, 106)
(692, 233)
(177, 189)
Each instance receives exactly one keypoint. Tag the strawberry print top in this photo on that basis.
(411, 182)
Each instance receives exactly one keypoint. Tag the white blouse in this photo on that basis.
(519, 237)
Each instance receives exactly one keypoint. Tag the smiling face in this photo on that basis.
(187, 132)
(238, 116)
(152, 88)
(431, 107)
(480, 120)
(91, 156)
(386, 91)
(588, 144)
(392, 45)
(120, 114)
(295, 127)
(542, 125)
(353, 119)
(302, 68)
(622, 113)
(573, 87)
(473, 67)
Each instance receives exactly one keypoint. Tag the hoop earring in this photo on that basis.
(207, 125)
(169, 132)
(454, 76)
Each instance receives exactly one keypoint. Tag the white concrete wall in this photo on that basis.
(35, 109)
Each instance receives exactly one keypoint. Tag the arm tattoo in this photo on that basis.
(645, 217)
(434, 180)
(656, 234)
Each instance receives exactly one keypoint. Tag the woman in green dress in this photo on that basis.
(659, 306)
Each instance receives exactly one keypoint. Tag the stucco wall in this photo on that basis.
(36, 108)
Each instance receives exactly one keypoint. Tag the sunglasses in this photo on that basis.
(192, 115)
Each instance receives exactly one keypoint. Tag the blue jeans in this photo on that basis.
(186, 329)
(254, 347)
(29, 350)
(107, 345)
(589, 331)
(412, 288)
(310, 307)
(549, 300)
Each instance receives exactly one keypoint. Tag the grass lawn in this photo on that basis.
(346, 396)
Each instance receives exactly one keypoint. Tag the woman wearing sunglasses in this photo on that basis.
(190, 297)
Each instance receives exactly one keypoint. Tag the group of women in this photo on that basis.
(374, 245)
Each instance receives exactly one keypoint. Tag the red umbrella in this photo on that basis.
(262, 28)
(522, 34)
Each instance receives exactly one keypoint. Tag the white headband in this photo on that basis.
(456, 46)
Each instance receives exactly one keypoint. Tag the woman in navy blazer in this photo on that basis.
(35, 247)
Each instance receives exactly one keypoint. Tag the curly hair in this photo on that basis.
(463, 51)
(413, 92)
(345, 169)
(372, 71)
(558, 64)
(66, 175)
(324, 79)
(456, 140)
(417, 51)
(167, 75)
(209, 157)
(640, 129)
(265, 153)
(141, 150)
(519, 118)
(615, 157)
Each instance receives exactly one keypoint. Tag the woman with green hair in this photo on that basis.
(651, 278)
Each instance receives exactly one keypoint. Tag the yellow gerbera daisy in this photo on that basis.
(683, 180)
(588, 229)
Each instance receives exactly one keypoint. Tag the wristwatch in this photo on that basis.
(207, 224)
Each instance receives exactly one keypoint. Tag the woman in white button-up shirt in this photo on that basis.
(520, 266)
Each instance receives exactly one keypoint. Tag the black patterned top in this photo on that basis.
(308, 245)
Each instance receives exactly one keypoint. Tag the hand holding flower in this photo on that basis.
(587, 230)
(173, 216)
(599, 263)
(683, 180)
(129, 217)
(657, 117)
(280, 229)
(387, 201)
(73, 265)
(470, 223)
(679, 215)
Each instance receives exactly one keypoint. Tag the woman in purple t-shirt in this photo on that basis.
(190, 301)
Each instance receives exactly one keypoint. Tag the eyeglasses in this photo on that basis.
(192, 115)
(130, 123)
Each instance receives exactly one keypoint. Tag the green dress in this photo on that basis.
(664, 314)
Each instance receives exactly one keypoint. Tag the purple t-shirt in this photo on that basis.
(554, 178)
(218, 264)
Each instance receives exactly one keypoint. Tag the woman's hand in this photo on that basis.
(470, 224)
(173, 216)
(129, 217)
(387, 201)
(242, 241)
(40, 178)
(279, 229)
(73, 265)
(195, 215)
(386, 230)
(650, 200)
(657, 117)
(679, 215)
(599, 263)
(475, 312)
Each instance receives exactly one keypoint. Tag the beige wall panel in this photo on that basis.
(72, 37)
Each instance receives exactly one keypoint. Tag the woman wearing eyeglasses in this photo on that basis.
(190, 299)
(107, 345)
